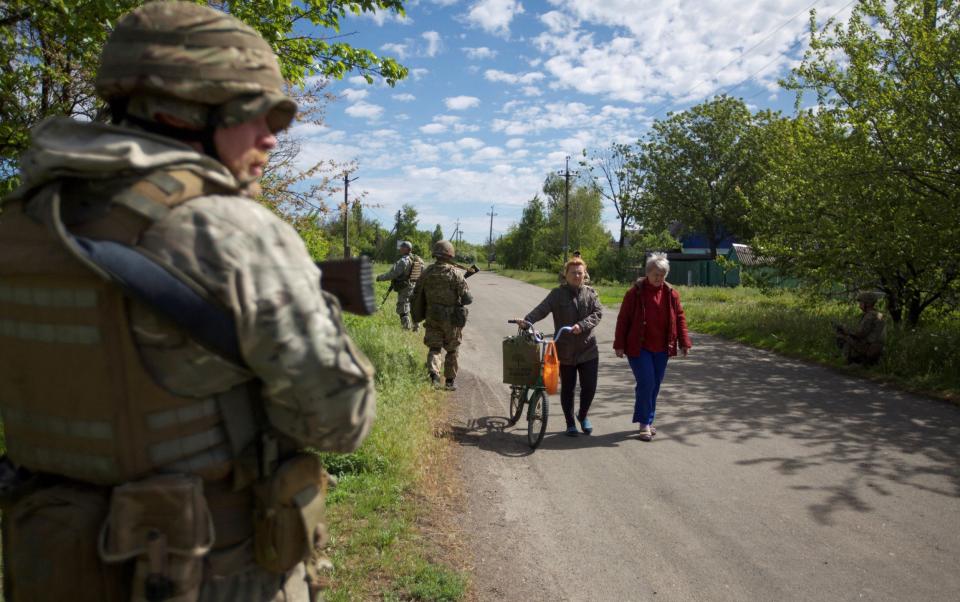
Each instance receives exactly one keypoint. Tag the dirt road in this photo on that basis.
(769, 479)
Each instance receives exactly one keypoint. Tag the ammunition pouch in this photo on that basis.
(289, 518)
(162, 522)
(50, 547)
(459, 316)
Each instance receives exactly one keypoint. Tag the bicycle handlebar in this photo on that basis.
(538, 337)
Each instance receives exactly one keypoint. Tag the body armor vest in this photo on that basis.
(75, 397)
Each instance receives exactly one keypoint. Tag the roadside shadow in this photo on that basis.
(873, 436)
(489, 433)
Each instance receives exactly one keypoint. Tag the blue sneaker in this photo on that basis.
(572, 431)
(585, 426)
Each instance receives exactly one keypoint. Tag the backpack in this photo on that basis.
(416, 268)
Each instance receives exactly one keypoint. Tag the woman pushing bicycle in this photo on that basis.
(574, 304)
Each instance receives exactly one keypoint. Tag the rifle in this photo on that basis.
(385, 297)
(470, 271)
(351, 282)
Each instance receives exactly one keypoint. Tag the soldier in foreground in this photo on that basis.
(439, 299)
(166, 351)
(403, 278)
(864, 344)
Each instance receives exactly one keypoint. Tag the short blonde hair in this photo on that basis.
(657, 261)
(573, 262)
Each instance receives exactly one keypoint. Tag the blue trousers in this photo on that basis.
(648, 370)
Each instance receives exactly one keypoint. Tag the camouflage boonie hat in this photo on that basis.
(869, 297)
(443, 248)
(189, 60)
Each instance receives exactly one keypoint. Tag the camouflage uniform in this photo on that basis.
(399, 275)
(864, 344)
(441, 291)
(300, 370)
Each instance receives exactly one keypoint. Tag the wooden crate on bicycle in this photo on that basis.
(521, 360)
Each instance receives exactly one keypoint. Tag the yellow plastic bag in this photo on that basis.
(551, 368)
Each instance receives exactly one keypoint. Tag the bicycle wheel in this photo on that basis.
(537, 418)
(518, 397)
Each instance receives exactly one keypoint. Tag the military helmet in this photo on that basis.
(404, 243)
(443, 248)
(869, 297)
(197, 63)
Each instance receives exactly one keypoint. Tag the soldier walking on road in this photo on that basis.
(864, 344)
(439, 299)
(166, 351)
(403, 278)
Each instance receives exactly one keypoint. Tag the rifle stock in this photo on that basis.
(351, 282)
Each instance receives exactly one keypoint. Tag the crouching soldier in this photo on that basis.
(439, 299)
(864, 344)
(166, 352)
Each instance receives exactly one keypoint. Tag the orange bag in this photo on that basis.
(551, 368)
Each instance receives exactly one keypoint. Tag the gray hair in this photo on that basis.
(658, 261)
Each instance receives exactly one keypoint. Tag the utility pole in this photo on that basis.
(490, 240)
(346, 214)
(566, 173)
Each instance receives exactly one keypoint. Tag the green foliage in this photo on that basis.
(865, 190)
(699, 168)
(377, 551)
(51, 53)
(517, 249)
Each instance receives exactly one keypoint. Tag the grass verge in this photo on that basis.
(924, 360)
(392, 484)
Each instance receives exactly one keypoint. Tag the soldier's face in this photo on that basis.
(244, 149)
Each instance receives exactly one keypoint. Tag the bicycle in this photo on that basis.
(534, 397)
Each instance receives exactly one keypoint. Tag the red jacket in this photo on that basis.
(631, 322)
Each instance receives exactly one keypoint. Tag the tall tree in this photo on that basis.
(437, 235)
(888, 121)
(50, 51)
(699, 168)
(620, 180)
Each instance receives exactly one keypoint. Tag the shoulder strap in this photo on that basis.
(146, 278)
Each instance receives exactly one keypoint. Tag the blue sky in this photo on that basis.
(501, 91)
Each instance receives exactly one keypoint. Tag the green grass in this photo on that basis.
(376, 548)
(926, 359)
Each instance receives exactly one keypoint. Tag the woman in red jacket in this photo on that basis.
(650, 328)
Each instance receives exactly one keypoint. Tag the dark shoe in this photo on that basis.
(435, 379)
(572, 431)
(585, 426)
(450, 386)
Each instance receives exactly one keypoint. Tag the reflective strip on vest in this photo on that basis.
(177, 449)
(86, 429)
(50, 333)
(47, 297)
(180, 416)
(71, 462)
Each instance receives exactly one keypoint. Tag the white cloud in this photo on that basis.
(460, 103)
(488, 153)
(404, 97)
(531, 91)
(470, 143)
(434, 43)
(419, 73)
(494, 16)
(353, 94)
(641, 51)
(398, 49)
(357, 80)
(495, 75)
(433, 128)
(364, 110)
(516, 143)
(383, 16)
(480, 53)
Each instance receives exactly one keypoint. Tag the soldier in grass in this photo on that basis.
(166, 351)
(403, 278)
(439, 299)
(864, 344)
